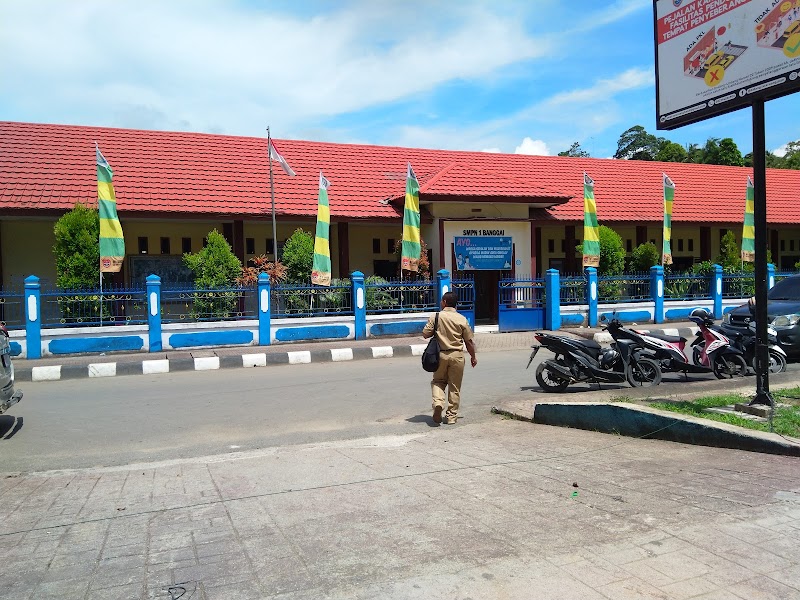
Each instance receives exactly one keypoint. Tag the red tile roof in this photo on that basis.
(52, 167)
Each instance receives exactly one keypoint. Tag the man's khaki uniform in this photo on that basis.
(453, 331)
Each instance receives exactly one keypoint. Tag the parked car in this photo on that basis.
(8, 396)
(783, 310)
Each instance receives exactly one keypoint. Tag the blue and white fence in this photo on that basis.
(557, 301)
(45, 321)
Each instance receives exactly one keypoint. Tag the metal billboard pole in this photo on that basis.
(760, 217)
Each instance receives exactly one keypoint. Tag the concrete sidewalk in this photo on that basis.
(499, 510)
(55, 368)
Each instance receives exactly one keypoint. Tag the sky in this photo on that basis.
(527, 76)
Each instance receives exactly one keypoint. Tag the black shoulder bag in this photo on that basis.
(430, 358)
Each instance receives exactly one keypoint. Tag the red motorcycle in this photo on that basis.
(717, 352)
(670, 351)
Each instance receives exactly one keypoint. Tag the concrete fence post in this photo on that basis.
(153, 283)
(359, 300)
(443, 285)
(591, 295)
(264, 310)
(33, 317)
(552, 294)
(716, 290)
(657, 292)
(770, 275)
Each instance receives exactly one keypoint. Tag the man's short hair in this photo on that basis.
(450, 299)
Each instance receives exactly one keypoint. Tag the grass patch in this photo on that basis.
(788, 396)
(623, 399)
(786, 420)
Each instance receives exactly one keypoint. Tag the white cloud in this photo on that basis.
(611, 14)
(603, 89)
(529, 146)
(781, 151)
(214, 64)
(492, 150)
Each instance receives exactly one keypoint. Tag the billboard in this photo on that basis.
(715, 56)
(483, 253)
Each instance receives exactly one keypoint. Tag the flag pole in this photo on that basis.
(272, 194)
(98, 262)
(101, 298)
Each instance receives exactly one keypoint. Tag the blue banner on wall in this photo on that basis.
(483, 253)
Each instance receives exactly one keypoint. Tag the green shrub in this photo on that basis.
(612, 252)
(215, 266)
(77, 259)
(298, 257)
(380, 298)
(643, 257)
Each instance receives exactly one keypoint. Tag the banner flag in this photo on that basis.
(749, 229)
(278, 157)
(411, 236)
(112, 243)
(669, 196)
(321, 267)
(591, 231)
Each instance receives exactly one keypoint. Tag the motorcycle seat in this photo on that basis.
(592, 347)
(672, 339)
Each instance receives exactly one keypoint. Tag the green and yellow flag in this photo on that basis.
(669, 196)
(749, 229)
(321, 267)
(409, 259)
(112, 244)
(591, 231)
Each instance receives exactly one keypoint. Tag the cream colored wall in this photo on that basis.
(174, 230)
(464, 210)
(26, 245)
(361, 236)
(27, 249)
(690, 237)
(556, 234)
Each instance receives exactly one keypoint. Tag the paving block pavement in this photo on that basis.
(502, 509)
(111, 365)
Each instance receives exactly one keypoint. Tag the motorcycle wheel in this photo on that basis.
(643, 372)
(547, 380)
(729, 366)
(697, 352)
(777, 362)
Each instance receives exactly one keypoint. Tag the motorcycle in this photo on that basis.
(670, 351)
(717, 352)
(578, 360)
(746, 342)
(8, 396)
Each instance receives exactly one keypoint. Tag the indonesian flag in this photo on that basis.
(278, 157)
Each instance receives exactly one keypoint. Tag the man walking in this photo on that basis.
(452, 333)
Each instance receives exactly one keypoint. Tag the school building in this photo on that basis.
(173, 188)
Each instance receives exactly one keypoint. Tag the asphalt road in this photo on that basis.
(124, 420)
(120, 420)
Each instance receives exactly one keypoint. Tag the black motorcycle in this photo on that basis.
(580, 360)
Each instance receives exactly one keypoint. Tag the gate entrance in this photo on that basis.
(486, 283)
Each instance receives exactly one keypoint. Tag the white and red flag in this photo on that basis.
(278, 157)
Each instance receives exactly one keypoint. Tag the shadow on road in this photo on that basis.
(9, 426)
(575, 390)
(422, 419)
